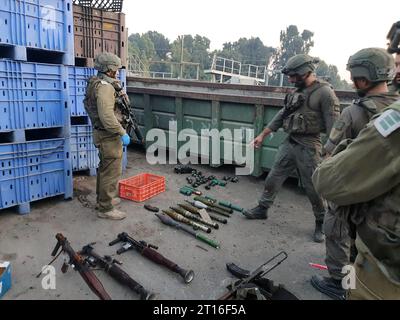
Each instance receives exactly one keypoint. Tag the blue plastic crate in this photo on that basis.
(77, 81)
(84, 155)
(40, 24)
(32, 96)
(34, 170)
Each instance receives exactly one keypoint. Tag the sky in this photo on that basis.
(340, 27)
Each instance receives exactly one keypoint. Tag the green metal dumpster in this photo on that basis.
(202, 105)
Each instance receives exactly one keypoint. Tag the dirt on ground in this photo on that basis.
(27, 241)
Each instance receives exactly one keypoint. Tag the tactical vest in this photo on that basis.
(90, 103)
(298, 116)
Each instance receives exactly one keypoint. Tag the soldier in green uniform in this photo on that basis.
(308, 111)
(394, 86)
(108, 134)
(370, 70)
(365, 175)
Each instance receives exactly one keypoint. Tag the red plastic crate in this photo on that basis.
(141, 187)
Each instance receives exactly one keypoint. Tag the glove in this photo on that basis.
(126, 140)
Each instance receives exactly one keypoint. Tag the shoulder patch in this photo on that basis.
(387, 122)
(103, 82)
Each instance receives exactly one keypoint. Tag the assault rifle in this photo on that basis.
(128, 116)
(109, 265)
(78, 262)
(260, 272)
(149, 251)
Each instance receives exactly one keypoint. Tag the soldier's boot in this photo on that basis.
(114, 202)
(329, 286)
(319, 235)
(259, 212)
(113, 214)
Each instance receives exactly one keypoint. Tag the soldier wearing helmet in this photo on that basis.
(311, 109)
(363, 176)
(108, 134)
(370, 70)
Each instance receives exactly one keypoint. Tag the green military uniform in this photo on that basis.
(351, 121)
(100, 104)
(365, 175)
(317, 110)
(370, 68)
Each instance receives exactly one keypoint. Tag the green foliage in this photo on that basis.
(248, 51)
(158, 54)
(330, 74)
(291, 43)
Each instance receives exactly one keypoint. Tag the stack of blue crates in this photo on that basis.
(36, 45)
(84, 154)
(45, 133)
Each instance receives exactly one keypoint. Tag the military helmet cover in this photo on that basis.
(107, 61)
(300, 64)
(374, 64)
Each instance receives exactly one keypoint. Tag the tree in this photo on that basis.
(161, 44)
(247, 51)
(291, 44)
(330, 73)
(196, 50)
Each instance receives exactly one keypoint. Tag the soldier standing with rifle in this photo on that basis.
(310, 110)
(370, 70)
(109, 135)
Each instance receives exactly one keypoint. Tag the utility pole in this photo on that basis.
(181, 65)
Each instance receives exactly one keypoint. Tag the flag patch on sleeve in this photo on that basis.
(388, 122)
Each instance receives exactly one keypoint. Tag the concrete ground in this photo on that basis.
(27, 241)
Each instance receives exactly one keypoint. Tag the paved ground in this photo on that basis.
(27, 241)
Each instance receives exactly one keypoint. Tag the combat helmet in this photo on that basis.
(374, 64)
(300, 64)
(107, 61)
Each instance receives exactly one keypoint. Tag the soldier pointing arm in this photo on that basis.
(308, 111)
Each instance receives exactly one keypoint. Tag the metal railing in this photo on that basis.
(223, 67)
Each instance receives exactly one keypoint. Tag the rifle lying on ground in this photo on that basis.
(171, 222)
(260, 272)
(79, 264)
(109, 265)
(148, 251)
(128, 116)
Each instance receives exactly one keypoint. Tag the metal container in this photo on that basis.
(97, 31)
(203, 105)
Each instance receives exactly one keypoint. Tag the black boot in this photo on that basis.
(259, 212)
(319, 235)
(329, 286)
